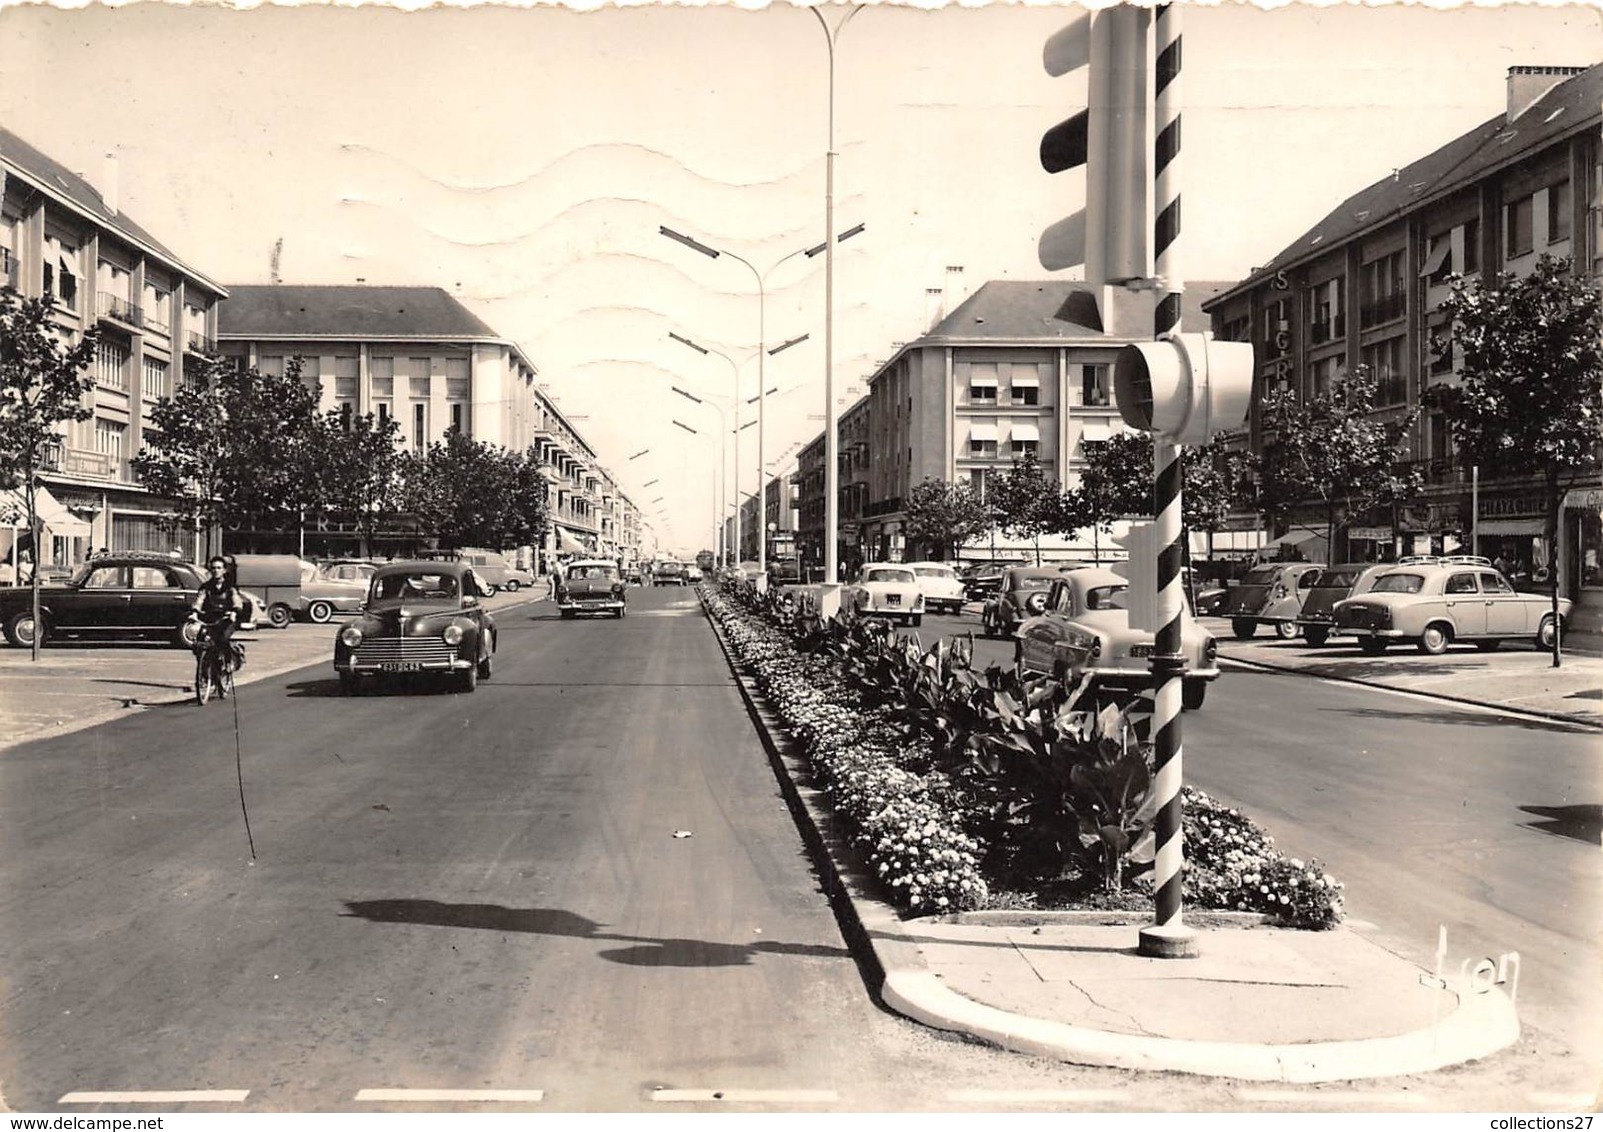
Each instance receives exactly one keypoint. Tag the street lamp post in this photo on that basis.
(718, 468)
(761, 278)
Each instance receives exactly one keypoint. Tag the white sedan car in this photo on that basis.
(887, 590)
(941, 586)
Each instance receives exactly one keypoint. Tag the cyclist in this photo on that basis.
(218, 605)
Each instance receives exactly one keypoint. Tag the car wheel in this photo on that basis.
(19, 630)
(619, 612)
(279, 616)
(1316, 635)
(486, 666)
(1491, 644)
(1434, 640)
(1286, 630)
(1192, 693)
(468, 679)
(512, 585)
(1243, 628)
(567, 614)
(348, 684)
(1544, 634)
(1371, 646)
(320, 612)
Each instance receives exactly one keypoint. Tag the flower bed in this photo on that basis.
(964, 792)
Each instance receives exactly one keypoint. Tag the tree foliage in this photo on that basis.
(1336, 451)
(945, 515)
(1526, 399)
(43, 383)
(355, 468)
(470, 493)
(1025, 500)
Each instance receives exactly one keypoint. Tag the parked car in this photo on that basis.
(888, 590)
(668, 572)
(502, 576)
(941, 586)
(1021, 595)
(274, 581)
(420, 616)
(1349, 579)
(785, 571)
(124, 596)
(592, 585)
(1435, 605)
(982, 580)
(1271, 594)
(328, 588)
(1084, 627)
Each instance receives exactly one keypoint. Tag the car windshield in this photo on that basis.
(414, 586)
(1033, 581)
(902, 576)
(592, 570)
(1260, 576)
(1107, 597)
(933, 572)
(1399, 584)
(1336, 580)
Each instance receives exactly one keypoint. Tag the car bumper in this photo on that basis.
(1142, 678)
(356, 666)
(591, 605)
(1359, 631)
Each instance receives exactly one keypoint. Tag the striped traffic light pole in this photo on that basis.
(1167, 937)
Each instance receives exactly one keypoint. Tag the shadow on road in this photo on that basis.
(559, 922)
(1447, 716)
(1580, 823)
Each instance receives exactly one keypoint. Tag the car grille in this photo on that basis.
(425, 650)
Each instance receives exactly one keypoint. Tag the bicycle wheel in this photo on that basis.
(203, 677)
(225, 677)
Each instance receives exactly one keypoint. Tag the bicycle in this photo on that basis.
(214, 669)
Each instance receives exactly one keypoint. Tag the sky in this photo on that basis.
(524, 158)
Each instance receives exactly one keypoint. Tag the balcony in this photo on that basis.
(1329, 330)
(1388, 308)
(197, 343)
(118, 309)
(157, 326)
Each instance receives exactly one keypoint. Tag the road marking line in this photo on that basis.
(744, 1096)
(1034, 1096)
(1341, 1096)
(509, 1096)
(158, 1096)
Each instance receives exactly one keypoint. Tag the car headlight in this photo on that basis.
(452, 634)
(1210, 649)
(1096, 647)
(350, 636)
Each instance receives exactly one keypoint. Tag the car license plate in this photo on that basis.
(400, 666)
(893, 599)
(1140, 650)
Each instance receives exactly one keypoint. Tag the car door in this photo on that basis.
(1464, 603)
(1507, 613)
(158, 601)
(1036, 637)
(102, 604)
(474, 587)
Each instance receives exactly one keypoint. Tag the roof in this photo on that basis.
(55, 179)
(347, 311)
(1571, 106)
(1013, 310)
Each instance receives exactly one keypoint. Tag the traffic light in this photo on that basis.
(1112, 139)
(1186, 387)
(1141, 570)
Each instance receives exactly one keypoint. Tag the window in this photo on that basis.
(982, 448)
(108, 438)
(1520, 238)
(61, 271)
(111, 364)
(1385, 362)
(382, 408)
(459, 417)
(1472, 246)
(982, 384)
(1461, 584)
(1325, 309)
(347, 410)
(976, 480)
(1094, 389)
(1322, 374)
(1558, 212)
(155, 383)
(420, 418)
(1384, 297)
(1026, 394)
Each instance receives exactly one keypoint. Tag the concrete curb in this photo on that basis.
(1481, 1024)
(1553, 716)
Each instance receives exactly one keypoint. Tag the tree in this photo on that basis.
(945, 515)
(1025, 500)
(1526, 400)
(1337, 450)
(1116, 481)
(43, 382)
(232, 444)
(470, 493)
(355, 468)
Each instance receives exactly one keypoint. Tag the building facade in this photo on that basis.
(1364, 286)
(64, 238)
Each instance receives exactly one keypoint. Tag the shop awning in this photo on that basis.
(55, 517)
(567, 544)
(1508, 527)
(1025, 431)
(1293, 538)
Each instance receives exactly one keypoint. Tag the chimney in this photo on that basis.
(108, 183)
(1527, 85)
(955, 293)
(934, 306)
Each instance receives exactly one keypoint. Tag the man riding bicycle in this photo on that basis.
(218, 605)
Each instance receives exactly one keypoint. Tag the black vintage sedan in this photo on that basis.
(115, 597)
(419, 617)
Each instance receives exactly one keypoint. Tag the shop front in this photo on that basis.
(1581, 540)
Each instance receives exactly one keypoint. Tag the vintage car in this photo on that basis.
(328, 588)
(1436, 604)
(1021, 595)
(1270, 594)
(1085, 628)
(122, 596)
(419, 617)
(885, 589)
(1317, 620)
(692, 574)
(668, 572)
(982, 580)
(591, 585)
(941, 586)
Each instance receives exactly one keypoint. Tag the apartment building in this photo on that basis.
(64, 237)
(1364, 286)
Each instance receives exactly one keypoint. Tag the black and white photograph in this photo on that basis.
(1005, 560)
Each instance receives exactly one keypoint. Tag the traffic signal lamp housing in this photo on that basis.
(1141, 570)
(1186, 387)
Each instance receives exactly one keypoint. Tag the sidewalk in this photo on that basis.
(1258, 1004)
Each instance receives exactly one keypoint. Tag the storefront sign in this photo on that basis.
(1511, 506)
(1370, 534)
(1588, 499)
